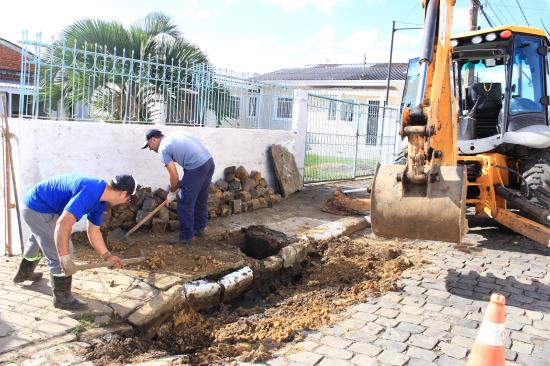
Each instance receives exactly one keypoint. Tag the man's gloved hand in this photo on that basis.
(113, 260)
(171, 197)
(67, 265)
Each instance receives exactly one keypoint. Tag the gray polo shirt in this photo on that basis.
(183, 149)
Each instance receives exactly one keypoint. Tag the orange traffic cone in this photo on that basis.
(488, 348)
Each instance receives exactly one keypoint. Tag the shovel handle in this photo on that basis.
(147, 218)
(80, 267)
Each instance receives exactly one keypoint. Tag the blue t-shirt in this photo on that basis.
(183, 149)
(75, 193)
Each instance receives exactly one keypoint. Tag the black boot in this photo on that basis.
(62, 297)
(26, 271)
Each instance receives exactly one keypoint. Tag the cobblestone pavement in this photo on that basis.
(26, 312)
(435, 316)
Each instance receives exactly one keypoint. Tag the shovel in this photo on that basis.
(81, 267)
(118, 235)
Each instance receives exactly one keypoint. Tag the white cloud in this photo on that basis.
(196, 10)
(291, 6)
(326, 45)
(201, 14)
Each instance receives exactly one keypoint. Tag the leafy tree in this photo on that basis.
(141, 73)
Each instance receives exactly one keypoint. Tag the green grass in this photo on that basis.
(321, 168)
(86, 322)
(314, 159)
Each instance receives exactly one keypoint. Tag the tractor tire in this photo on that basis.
(535, 171)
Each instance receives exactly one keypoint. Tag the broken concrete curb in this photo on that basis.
(159, 304)
(204, 294)
(236, 283)
(335, 229)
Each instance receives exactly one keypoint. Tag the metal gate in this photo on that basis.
(345, 139)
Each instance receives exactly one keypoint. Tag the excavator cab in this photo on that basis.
(500, 77)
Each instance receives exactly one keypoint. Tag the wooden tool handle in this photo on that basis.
(147, 218)
(80, 267)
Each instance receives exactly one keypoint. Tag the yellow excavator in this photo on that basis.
(475, 122)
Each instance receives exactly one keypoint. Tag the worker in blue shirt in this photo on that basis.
(53, 206)
(192, 191)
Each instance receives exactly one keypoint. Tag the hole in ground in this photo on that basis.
(259, 242)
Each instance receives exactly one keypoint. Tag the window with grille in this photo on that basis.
(372, 122)
(234, 107)
(252, 106)
(284, 108)
(332, 110)
(346, 110)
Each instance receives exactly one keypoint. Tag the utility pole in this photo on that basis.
(474, 7)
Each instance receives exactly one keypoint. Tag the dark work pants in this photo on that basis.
(193, 199)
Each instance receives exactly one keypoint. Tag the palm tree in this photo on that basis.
(130, 74)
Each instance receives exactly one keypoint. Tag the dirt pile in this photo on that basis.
(342, 273)
(161, 257)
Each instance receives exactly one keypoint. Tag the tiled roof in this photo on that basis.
(378, 71)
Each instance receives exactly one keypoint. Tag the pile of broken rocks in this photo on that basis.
(239, 191)
(141, 204)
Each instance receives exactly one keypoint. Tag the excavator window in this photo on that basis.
(526, 88)
(411, 83)
(527, 81)
(480, 81)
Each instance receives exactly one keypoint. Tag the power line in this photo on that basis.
(514, 6)
(524, 17)
(496, 15)
(502, 15)
(415, 24)
(544, 26)
(410, 12)
(484, 14)
(508, 11)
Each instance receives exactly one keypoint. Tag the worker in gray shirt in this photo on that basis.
(192, 191)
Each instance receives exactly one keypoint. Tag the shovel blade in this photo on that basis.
(436, 215)
(118, 236)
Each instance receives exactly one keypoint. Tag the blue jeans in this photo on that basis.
(193, 199)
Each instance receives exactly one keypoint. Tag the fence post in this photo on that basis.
(356, 115)
(299, 126)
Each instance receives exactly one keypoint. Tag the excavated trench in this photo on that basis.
(276, 309)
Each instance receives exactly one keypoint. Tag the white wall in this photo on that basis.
(46, 148)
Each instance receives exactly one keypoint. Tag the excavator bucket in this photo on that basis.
(434, 211)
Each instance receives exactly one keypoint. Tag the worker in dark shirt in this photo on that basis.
(53, 206)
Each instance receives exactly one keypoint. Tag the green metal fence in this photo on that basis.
(345, 140)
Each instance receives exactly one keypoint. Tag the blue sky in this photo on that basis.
(266, 35)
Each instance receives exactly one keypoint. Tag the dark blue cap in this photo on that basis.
(152, 132)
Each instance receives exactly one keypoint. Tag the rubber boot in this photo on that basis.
(62, 297)
(26, 271)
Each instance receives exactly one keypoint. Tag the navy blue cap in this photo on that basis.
(152, 132)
